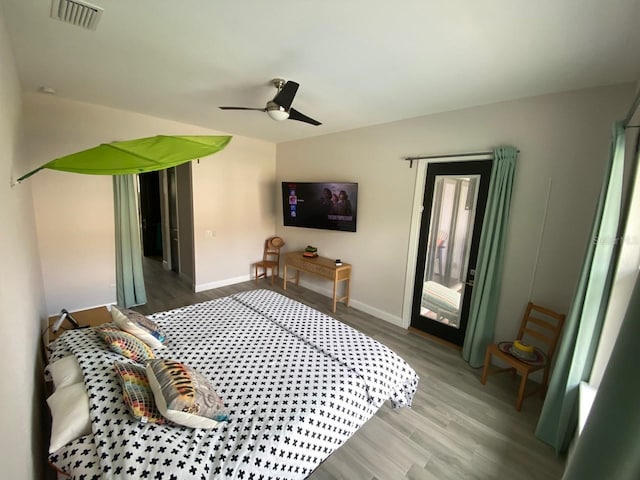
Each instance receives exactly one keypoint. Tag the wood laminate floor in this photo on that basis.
(456, 428)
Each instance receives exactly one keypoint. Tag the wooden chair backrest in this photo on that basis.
(271, 252)
(543, 328)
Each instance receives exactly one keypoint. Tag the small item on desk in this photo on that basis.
(338, 262)
(310, 252)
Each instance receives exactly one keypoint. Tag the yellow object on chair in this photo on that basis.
(518, 345)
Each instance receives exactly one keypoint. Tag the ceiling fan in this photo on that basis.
(280, 107)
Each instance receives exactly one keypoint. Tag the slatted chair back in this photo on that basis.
(541, 327)
(271, 251)
(270, 259)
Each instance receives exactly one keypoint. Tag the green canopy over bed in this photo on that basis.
(137, 156)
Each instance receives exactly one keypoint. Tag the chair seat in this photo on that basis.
(267, 263)
(540, 360)
(507, 357)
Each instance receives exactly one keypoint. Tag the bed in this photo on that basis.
(296, 382)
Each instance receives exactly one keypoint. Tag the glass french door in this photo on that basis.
(453, 209)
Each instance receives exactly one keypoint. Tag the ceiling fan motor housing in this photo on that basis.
(276, 112)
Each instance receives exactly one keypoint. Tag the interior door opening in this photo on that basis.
(150, 215)
(453, 209)
(166, 220)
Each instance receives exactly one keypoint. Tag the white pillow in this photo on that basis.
(70, 415)
(138, 325)
(65, 372)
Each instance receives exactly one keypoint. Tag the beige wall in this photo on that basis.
(74, 213)
(233, 199)
(563, 138)
(21, 297)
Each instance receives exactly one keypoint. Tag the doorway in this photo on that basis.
(174, 245)
(166, 219)
(150, 214)
(453, 207)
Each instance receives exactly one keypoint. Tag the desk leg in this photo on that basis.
(335, 291)
(297, 276)
(348, 290)
(284, 284)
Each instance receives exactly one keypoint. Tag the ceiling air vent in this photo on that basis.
(77, 13)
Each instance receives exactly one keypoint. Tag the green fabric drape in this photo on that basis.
(129, 275)
(609, 446)
(582, 328)
(488, 279)
(137, 156)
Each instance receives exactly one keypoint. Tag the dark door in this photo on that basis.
(173, 219)
(455, 197)
(150, 214)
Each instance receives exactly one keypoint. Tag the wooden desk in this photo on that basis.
(321, 267)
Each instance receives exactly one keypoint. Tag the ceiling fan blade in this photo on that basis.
(243, 108)
(284, 97)
(301, 117)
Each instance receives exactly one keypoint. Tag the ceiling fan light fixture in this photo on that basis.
(276, 112)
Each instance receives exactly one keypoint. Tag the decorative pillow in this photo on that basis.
(137, 324)
(184, 396)
(65, 372)
(70, 415)
(125, 344)
(137, 393)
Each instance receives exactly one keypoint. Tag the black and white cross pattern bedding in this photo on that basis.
(297, 384)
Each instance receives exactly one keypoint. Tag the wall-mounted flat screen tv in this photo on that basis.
(327, 205)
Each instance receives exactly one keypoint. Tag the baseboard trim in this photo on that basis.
(376, 312)
(82, 309)
(221, 283)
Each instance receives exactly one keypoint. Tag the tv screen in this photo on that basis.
(328, 205)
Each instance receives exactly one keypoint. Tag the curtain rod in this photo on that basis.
(449, 155)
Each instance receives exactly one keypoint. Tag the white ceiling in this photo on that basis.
(358, 62)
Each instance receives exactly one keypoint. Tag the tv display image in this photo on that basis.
(327, 205)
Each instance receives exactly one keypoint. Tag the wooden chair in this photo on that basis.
(533, 331)
(270, 258)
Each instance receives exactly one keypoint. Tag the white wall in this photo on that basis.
(74, 213)
(563, 137)
(233, 199)
(21, 297)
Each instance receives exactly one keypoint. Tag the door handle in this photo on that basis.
(472, 274)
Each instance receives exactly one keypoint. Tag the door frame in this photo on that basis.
(416, 221)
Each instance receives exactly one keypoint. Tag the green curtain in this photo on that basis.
(129, 275)
(488, 279)
(609, 446)
(582, 328)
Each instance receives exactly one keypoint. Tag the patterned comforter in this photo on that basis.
(297, 384)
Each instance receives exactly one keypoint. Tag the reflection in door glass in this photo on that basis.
(450, 233)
